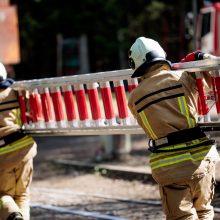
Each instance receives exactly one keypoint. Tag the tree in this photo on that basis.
(110, 26)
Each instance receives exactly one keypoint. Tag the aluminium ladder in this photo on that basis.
(96, 104)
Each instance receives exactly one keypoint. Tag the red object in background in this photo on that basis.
(9, 34)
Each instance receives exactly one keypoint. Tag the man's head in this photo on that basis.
(143, 54)
(3, 73)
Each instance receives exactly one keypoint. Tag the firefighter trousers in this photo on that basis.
(190, 199)
(14, 190)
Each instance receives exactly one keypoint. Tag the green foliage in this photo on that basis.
(155, 9)
(110, 25)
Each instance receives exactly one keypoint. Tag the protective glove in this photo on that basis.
(196, 55)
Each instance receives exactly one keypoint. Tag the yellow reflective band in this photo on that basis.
(185, 111)
(174, 147)
(18, 119)
(191, 121)
(166, 160)
(23, 142)
(147, 125)
(178, 159)
(17, 115)
(201, 155)
(159, 156)
(181, 105)
(189, 144)
(171, 160)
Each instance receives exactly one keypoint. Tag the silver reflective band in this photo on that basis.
(161, 141)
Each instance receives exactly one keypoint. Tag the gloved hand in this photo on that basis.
(196, 55)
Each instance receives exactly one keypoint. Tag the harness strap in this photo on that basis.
(179, 137)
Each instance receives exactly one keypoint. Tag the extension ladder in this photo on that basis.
(96, 104)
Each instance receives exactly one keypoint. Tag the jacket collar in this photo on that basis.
(154, 70)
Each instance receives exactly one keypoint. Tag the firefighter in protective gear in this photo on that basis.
(17, 151)
(182, 157)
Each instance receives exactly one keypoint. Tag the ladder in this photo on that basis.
(96, 103)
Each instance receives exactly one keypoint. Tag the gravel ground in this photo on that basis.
(93, 192)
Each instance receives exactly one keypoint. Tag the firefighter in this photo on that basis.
(182, 157)
(17, 151)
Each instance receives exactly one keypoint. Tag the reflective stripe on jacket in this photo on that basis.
(16, 145)
(170, 158)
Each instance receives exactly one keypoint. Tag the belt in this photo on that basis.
(11, 138)
(179, 137)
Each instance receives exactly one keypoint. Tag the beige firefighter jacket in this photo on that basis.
(164, 102)
(19, 150)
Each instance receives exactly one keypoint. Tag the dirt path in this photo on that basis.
(74, 189)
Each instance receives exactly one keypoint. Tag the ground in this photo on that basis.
(86, 187)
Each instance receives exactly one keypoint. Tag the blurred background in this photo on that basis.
(49, 38)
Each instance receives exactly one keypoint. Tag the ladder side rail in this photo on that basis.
(194, 66)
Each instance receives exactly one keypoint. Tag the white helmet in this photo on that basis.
(3, 73)
(144, 53)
